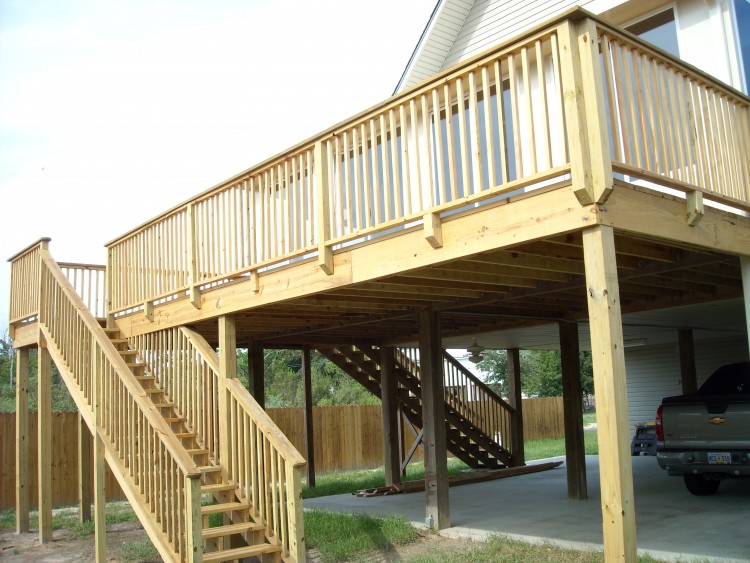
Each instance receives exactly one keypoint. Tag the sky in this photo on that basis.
(114, 111)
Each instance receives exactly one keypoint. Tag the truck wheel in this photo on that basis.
(700, 486)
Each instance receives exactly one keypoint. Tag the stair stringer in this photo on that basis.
(120, 472)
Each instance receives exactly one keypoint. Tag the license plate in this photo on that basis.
(721, 458)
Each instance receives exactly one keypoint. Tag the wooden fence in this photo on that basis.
(346, 437)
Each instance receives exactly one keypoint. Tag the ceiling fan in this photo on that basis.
(475, 352)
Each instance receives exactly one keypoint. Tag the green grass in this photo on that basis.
(345, 537)
(589, 418)
(345, 482)
(67, 519)
(503, 549)
(138, 551)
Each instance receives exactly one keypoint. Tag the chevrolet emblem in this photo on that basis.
(716, 420)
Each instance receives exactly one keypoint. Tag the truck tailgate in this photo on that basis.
(709, 423)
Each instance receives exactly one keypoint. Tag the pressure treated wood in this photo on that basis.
(44, 442)
(515, 398)
(390, 418)
(616, 473)
(575, 449)
(686, 348)
(433, 415)
(23, 492)
(84, 471)
(309, 428)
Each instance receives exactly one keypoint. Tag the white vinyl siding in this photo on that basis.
(653, 372)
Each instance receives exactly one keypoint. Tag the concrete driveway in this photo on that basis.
(672, 524)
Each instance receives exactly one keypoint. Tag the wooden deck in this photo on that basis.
(572, 174)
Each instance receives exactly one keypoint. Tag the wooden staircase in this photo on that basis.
(475, 416)
(231, 529)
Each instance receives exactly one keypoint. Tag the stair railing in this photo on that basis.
(260, 460)
(175, 357)
(152, 467)
(468, 396)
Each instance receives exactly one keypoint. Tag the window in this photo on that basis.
(660, 30)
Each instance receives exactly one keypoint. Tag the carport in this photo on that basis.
(672, 524)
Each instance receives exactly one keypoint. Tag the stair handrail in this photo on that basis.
(262, 462)
(478, 403)
(98, 368)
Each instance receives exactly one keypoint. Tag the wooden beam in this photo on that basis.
(615, 465)
(695, 209)
(433, 416)
(84, 470)
(44, 440)
(688, 374)
(389, 403)
(308, 427)
(583, 95)
(433, 232)
(323, 209)
(100, 490)
(515, 399)
(575, 449)
(227, 370)
(22, 441)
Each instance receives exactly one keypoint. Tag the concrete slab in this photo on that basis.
(672, 524)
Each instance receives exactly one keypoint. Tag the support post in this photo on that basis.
(84, 471)
(745, 269)
(575, 449)
(100, 491)
(193, 282)
(227, 370)
(515, 399)
(323, 209)
(615, 465)
(433, 417)
(44, 440)
(688, 374)
(309, 432)
(257, 373)
(389, 404)
(22, 440)
(583, 93)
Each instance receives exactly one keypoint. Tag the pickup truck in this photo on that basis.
(705, 437)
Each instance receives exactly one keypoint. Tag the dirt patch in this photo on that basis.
(23, 548)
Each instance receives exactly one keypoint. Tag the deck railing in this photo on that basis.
(177, 363)
(673, 125)
(158, 468)
(255, 454)
(573, 99)
(88, 281)
(24, 282)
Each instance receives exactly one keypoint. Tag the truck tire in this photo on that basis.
(700, 486)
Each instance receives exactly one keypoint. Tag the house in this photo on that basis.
(541, 178)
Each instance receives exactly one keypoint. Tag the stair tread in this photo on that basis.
(240, 552)
(223, 507)
(185, 435)
(217, 487)
(229, 529)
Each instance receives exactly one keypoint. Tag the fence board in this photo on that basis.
(346, 437)
(64, 461)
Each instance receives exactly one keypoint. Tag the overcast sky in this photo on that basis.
(113, 111)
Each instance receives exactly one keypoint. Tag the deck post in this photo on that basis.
(322, 206)
(745, 269)
(390, 416)
(22, 440)
(227, 370)
(583, 94)
(44, 440)
(433, 417)
(575, 450)
(100, 491)
(515, 399)
(256, 368)
(84, 471)
(615, 465)
(688, 374)
(193, 277)
(309, 431)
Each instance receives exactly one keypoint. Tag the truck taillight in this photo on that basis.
(659, 425)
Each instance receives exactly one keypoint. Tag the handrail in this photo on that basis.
(156, 464)
(259, 458)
